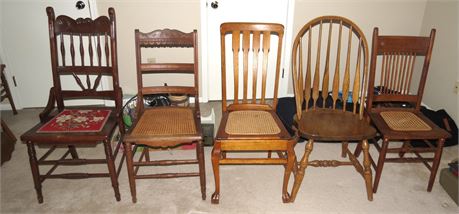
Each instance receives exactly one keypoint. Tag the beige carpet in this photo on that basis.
(245, 189)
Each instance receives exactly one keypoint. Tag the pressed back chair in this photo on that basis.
(249, 121)
(395, 108)
(82, 50)
(165, 126)
(330, 65)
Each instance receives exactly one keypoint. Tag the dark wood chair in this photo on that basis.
(395, 108)
(83, 50)
(165, 126)
(250, 123)
(330, 76)
(5, 90)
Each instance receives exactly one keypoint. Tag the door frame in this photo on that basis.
(286, 64)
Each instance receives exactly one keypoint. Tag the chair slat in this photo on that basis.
(62, 49)
(72, 50)
(245, 49)
(236, 41)
(336, 76)
(356, 87)
(107, 50)
(266, 45)
(346, 78)
(315, 83)
(326, 78)
(99, 51)
(81, 49)
(256, 51)
(90, 51)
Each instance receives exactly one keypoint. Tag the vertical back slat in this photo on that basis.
(383, 64)
(308, 76)
(99, 51)
(336, 76)
(387, 72)
(346, 78)
(90, 50)
(266, 44)
(326, 77)
(107, 50)
(403, 74)
(81, 49)
(315, 84)
(236, 42)
(411, 73)
(356, 87)
(245, 49)
(256, 51)
(72, 50)
(62, 49)
(392, 73)
(301, 88)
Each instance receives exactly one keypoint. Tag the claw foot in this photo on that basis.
(215, 198)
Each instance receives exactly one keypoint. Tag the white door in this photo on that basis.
(24, 46)
(215, 12)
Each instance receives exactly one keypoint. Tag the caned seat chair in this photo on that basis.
(83, 51)
(5, 90)
(250, 123)
(165, 126)
(395, 108)
(330, 66)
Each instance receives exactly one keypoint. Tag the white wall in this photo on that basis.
(148, 15)
(390, 16)
(444, 68)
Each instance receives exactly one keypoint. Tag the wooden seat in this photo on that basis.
(395, 109)
(5, 90)
(166, 126)
(250, 123)
(330, 66)
(82, 50)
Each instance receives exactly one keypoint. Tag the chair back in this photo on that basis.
(403, 63)
(83, 50)
(330, 65)
(254, 60)
(167, 40)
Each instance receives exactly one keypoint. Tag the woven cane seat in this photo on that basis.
(166, 121)
(404, 121)
(251, 123)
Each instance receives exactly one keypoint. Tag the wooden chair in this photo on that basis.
(250, 123)
(166, 126)
(395, 109)
(330, 66)
(5, 90)
(83, 50)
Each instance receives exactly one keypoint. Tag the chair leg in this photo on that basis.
(130, 169)
(379, 167)
(300, 172)
(435, 163)
(202, 169)
(35, 170)
(73, 152)
(111, 168)
(216, 168)
(344, 148)
(287, 172)
(405, 146)
(367, 169)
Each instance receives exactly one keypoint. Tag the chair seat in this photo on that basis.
(81, 137)
(247, 124)
(161, 122)
(334, 125)
(396, 124)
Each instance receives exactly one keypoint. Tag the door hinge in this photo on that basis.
(14, 81)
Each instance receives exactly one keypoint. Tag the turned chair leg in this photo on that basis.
(130, 169)
(35, 170)
(202, 171)
(216, 154)
(367, 169)
(300, 172)
(111, 168)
